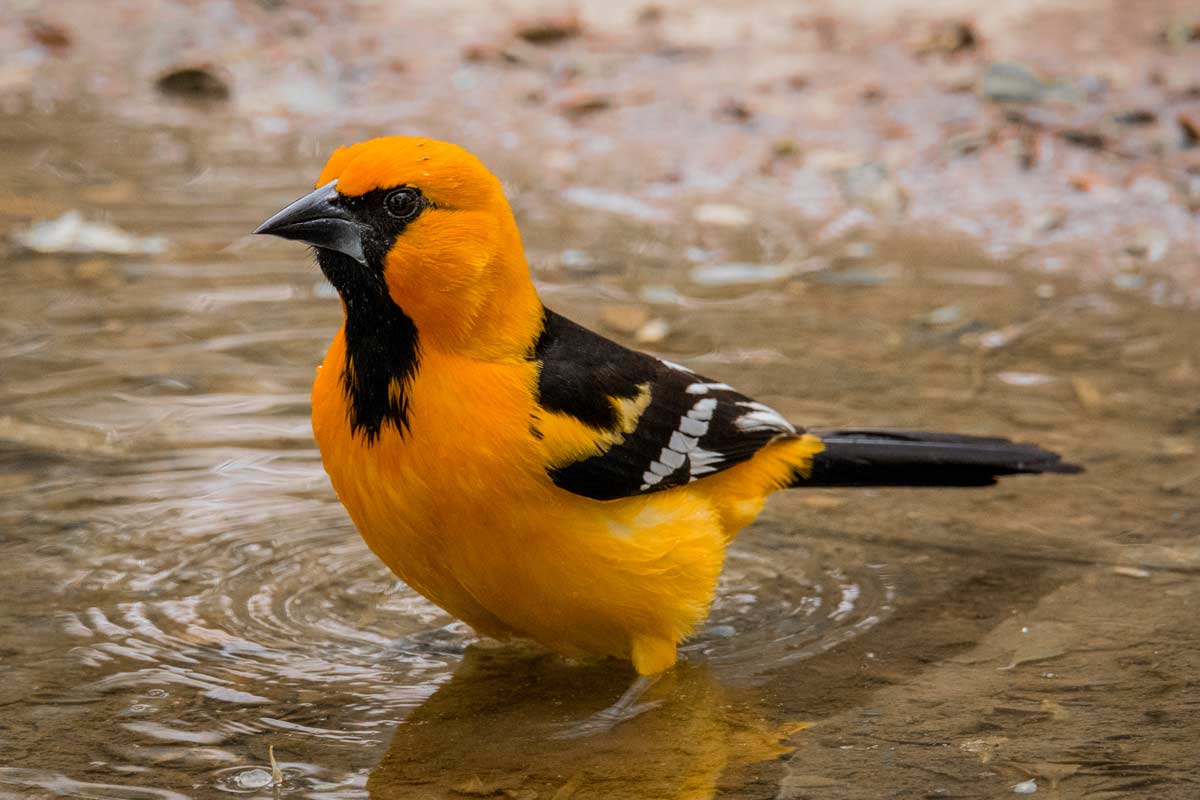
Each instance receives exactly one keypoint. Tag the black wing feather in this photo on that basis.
(691, 428)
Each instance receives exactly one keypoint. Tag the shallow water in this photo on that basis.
(183, 590)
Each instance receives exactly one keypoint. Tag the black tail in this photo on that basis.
(894, 458)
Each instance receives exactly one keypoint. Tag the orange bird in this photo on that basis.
(531, 477)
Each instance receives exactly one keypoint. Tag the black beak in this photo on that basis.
(320, 220)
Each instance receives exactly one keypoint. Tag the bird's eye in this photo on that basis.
(404, 204)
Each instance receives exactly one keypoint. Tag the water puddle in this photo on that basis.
(189, 594)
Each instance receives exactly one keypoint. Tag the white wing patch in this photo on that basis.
(676, 367)
(704, 388)
(762, 418)
(684, 446)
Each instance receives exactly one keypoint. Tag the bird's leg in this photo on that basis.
(626, 708)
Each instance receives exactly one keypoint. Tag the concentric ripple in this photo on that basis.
(244, 609)
(778, 603)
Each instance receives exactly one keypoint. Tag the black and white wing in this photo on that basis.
(654, 424)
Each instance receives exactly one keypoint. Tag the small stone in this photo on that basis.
(1028, 148)
(1086, 181)
(731, 274)
(734, 109)
(1151, 244)
(722, 214)
(1189, 130)
(848, 222)
(255, 778)
(1025, 787)
(200, 83)
(549, 30)
(1043, 222)
(873, 187)
(1129, 281)
(653, 332)
(479, 52)
(853, 277)
(1025, 378)
(48, 34)
(576, 260)
(1002, 337)
(1140, 116)
(1190, 187)
(1017, 83)
(946, 315)
(71, 233)
(872, 93)
(966, 143)
(857, 251)
(614, 203)
(584, 104)
(1089, 140)
(1131, 572)
(660, 296)
(650, 15)
(785, 148)
(1179, 34)
(946, 38)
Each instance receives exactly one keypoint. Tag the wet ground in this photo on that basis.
(183, 593)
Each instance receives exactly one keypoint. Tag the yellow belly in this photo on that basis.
(462, 510)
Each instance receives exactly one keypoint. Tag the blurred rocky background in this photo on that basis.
(1044, 130)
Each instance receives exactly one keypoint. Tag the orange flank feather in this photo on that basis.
(526, 474)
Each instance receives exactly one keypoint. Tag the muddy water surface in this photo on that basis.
(183, 592)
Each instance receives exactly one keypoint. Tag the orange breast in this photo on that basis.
(462, 510)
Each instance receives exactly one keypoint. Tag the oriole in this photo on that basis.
(531, 477)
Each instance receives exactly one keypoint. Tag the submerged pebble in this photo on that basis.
(255, 778)
(1025, 378)
(197, 82)
(1025, 787)
(653, 331)
(722, 214)
(1017, 83)
(946, 315)
(852, 277)
(660, 296)
(71, 233)
(873, 187)
(614, 203)
(576, 260)
(735, 273)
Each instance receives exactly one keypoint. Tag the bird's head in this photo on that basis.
(421, 224)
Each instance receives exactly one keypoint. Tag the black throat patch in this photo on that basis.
(381, 349)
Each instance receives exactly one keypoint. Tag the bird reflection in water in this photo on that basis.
(493, 730)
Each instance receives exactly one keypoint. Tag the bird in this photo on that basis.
(531, 477)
